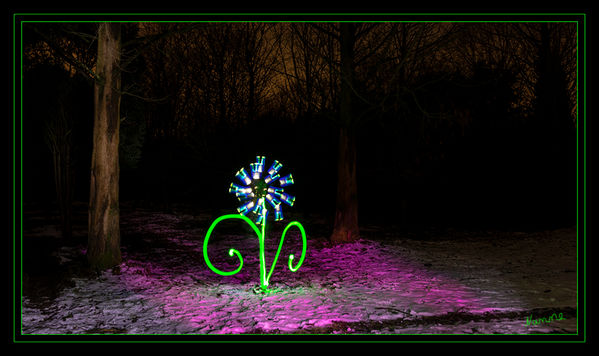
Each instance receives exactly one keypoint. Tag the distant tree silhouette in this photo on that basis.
(59, 132)
(554, 121)
(58, 53)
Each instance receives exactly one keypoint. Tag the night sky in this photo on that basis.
(458, 140)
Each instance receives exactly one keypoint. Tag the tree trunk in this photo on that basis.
(346, 214)
(58, 138)
(103, 249)
(62, 180)
(346, 211)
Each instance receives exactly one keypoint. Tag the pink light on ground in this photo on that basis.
(164, 287)
(347, 283)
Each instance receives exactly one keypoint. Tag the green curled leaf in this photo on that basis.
(231, 251)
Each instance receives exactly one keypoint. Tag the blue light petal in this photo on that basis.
(276, 166)
(258, 167)
(245, 208)
(276, 191)
(278, 213)
(285, 181)
(243, 176)
(261, 218)
(272, 200)
(287, 199)
(270, 178)
(234, 188)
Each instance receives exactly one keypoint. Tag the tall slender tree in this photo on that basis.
(346, 212)
(103, 249)
(367, 51)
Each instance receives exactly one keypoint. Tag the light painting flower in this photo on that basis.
(254, 191)
(259, 187)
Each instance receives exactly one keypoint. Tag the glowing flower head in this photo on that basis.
(259, 187)
(258, 191)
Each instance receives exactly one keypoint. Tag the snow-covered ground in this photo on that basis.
(385, 283)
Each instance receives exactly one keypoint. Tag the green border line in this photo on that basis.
(301, 21)
(21, 165)
(292, 21)
(303, 14)
(584, 163)
(14, 203)
(577, 179)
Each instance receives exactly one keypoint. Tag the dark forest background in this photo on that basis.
(457, 125)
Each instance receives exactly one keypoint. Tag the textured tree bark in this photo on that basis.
(346, 211)
(103, 247)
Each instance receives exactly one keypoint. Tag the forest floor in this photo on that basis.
(388, 282)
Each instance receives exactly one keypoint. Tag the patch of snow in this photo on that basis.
(170, 290)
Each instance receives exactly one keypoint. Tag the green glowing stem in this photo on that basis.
(261, 238)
